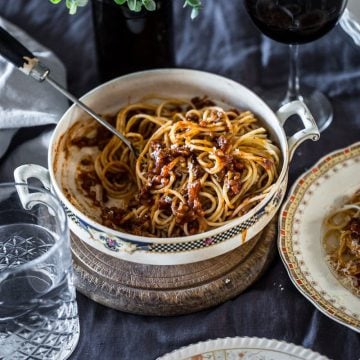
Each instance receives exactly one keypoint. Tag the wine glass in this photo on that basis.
(297, 22)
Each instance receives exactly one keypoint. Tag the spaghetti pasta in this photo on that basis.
(342, 243)
(199, 166)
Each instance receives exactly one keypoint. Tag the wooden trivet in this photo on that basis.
(170, 289)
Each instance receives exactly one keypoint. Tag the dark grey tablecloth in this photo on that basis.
(224, 41)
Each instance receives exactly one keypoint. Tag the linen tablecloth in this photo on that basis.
(224, 41)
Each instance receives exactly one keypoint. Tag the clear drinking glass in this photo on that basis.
(38, 310)
(297, 22)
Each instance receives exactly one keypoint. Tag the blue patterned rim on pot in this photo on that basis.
(182, 83)
(116, 243)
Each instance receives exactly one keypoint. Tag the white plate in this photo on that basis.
(350, 21)
(244, 348)
(311, 198)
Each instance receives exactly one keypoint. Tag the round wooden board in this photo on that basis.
(170, 289)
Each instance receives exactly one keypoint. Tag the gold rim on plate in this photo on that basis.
(311, 198)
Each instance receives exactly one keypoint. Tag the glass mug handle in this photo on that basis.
(22, 174)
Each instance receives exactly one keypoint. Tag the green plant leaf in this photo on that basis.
(150, 5)
(55, 1)
(194, 3)
(138, 6)
(72, 6)
(194, 13)
(120, 2)
(132, 4)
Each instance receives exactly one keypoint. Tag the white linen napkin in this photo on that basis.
(24, 102)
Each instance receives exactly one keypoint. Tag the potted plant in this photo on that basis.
(132, 35)
(133, 5)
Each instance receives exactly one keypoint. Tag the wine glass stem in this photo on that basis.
(293, 91)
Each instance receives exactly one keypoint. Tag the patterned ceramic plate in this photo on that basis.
(350, 21)
(311, 198)
(244, 348)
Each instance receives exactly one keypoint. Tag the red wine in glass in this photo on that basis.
(296, 22)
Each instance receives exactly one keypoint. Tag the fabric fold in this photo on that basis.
(24, 102)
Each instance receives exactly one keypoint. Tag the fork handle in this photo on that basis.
(16, 53)
(12, 50)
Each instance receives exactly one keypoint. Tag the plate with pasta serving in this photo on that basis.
(319, 235)
(245, 348)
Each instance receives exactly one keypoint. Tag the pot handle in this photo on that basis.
(310, 131)
(22, 174)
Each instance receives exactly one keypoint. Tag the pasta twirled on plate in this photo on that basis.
(342, 243)
(199, 166)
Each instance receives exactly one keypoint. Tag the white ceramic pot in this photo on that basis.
(182, 83)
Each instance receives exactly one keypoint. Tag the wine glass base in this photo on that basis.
(316, 101)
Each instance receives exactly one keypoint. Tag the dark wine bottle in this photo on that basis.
(128, 41)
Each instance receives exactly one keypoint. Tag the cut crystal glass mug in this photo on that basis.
(38, 310)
